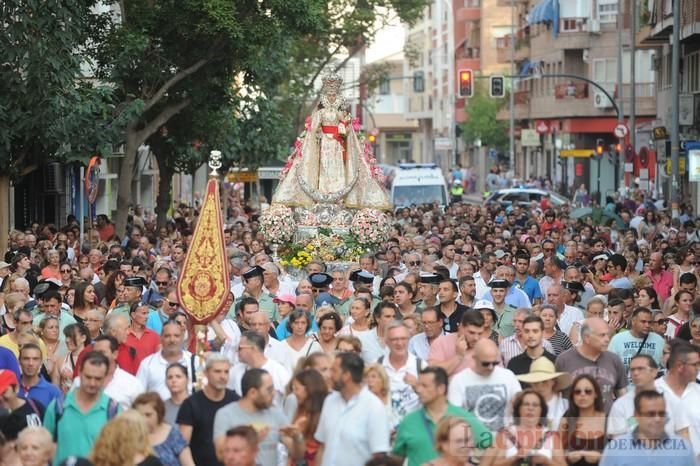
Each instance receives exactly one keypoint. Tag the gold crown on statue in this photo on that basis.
(332, 82)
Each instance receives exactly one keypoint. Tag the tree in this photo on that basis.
(481, 121)
(168, 54)
(48, 111)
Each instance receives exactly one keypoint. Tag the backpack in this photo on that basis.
(419, 362)
(112, 411)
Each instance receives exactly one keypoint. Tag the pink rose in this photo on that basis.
(356, 124)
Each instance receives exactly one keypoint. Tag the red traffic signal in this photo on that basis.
(466, 83)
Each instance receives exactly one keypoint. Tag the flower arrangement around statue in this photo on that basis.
(370, 226)
(277, 224)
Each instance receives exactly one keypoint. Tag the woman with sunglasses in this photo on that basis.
(659, 324)
(528, 440)
(582, 429)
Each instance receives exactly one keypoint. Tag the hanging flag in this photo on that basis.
(92, 179)
(204, 285)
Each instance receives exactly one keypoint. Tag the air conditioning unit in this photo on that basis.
(594, 26)
(600, 100)
(53, 178)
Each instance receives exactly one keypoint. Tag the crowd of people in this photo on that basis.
(477, 334)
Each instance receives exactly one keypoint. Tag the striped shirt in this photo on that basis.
(510, 348)
(560, 342)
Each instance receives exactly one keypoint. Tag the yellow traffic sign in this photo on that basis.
(242, 177)
(585, 153)
(681, 166)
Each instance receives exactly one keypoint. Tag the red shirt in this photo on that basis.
(146, 345)
(662, 283)
(126, 359)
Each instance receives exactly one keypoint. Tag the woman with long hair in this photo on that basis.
(49, 332)
(111, 288)
(685, 263)
(77, 337)
(582, 428)
(124, 441)
(683, 307)
(360, 327)
(377, 382)
(166, 439)
(310, 391)
(527, 440)
(84, 301)
(647, 297)
(176, 379)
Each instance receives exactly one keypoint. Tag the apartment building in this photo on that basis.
(452, 35)
(577, 38)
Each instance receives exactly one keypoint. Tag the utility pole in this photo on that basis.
(620, 161)
(511, 148)
(633, 79)
(675, 138)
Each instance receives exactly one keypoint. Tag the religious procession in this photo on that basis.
(341, 233)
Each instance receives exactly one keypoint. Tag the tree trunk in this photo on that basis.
(126, 174)
(164, 198)
(5, 210)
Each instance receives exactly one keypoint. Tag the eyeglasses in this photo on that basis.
(661, 414)
(583, 391)
(162, 283)
(66, 270)
(489, 363)
(173, 304)
(414, 263)
(549, 249)
(661, 321)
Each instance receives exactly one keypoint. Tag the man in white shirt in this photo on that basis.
(483, 276)
(251, 355)
(567, 315)
(486, 389)
(621, 420)
(274, 349)
(680, 385)
(119, 384)
(152, 369)
(419, 344)
(402, 368)
(354, 424)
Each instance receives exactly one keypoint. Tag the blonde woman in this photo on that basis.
(377, 382)
(35, 446)
(452, 436)
(124, 441)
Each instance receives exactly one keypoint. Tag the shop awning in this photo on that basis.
(545, 11)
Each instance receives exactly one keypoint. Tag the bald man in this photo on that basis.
(485, 389)
(592, 357)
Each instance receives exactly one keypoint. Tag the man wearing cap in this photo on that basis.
(428, 288)
(515, 297)
(320, 284)
(617, 266)
(419, 344)
(361, 280)
(450, 311)
(23, 412)
(133, 289)
(535, 346)
(504, 312)
(253, 281)
(543, 378)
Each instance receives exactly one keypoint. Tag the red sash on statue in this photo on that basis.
(336, 135)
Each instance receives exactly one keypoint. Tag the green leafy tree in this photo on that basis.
(481, 121)
(169, 55)
(48, 109)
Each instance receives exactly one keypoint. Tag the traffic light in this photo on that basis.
(618, 148)
(372, 138)
(599, 147)
(497, 86)
(466, 83)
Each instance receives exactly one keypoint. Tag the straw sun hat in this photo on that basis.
(542, 369)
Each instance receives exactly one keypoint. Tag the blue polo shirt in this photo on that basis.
(43, 392)
(77, 431)
(283, 333)
(531, 287)
(627, 450)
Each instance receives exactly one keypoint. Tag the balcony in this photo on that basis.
(503, 49)
(574, 33)
(645, 98)
(522, 97)
(522, 49)
(571, 91)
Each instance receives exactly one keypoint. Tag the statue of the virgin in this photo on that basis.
(329, 163)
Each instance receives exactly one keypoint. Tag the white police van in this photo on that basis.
(419, 183)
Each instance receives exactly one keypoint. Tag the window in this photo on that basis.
(418, 81)
(384, 86)
(607, 11)
(605, 72)
(691, 73)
